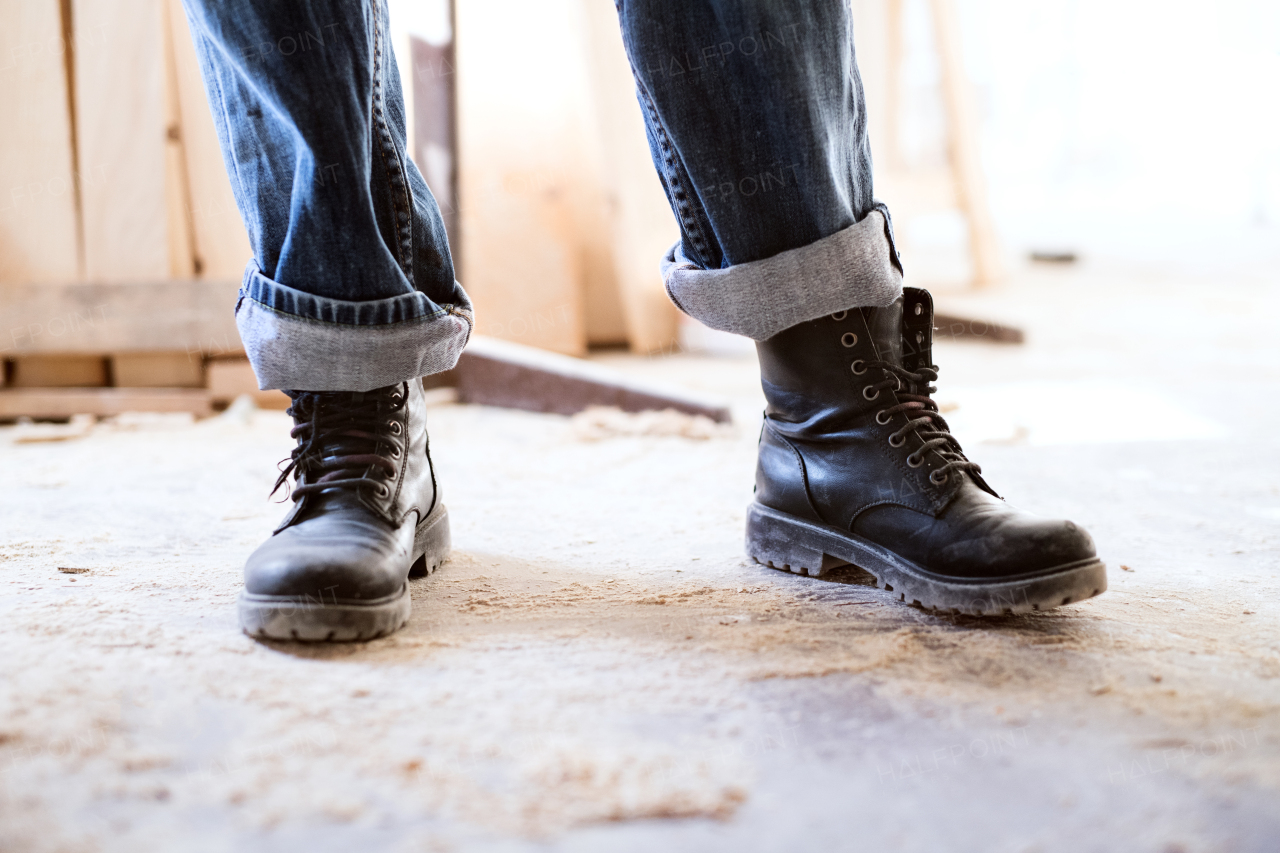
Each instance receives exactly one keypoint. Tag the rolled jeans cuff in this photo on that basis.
(854, 268)
(297, 341)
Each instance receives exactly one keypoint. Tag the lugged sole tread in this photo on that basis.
(942, 609)
(777, 539)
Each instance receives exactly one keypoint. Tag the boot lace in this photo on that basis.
(917, 405)
(342, 439)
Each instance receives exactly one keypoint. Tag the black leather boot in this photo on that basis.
(366, 516)
(857, 466)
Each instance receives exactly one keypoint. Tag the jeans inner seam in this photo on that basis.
(679, 192)
(404, 238)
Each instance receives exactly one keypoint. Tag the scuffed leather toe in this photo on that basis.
(332, 556)
(977, 535)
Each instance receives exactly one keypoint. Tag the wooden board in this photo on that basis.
(177, 192)
(60, 371)
(196, 316)
(157, 370)
(121, 133)
(38, 238)
(519, 143)
(220, 244)
(67, 402)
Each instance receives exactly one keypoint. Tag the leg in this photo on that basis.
(758, 129)
(757, 126)
(351, 286)
(350, 295)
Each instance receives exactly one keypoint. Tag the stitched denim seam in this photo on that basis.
(404, 236)
(679, 193)
(454, 310)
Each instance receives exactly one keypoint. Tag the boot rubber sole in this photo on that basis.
(782, 541)
(307, 620)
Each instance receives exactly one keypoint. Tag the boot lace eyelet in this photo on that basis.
(839, 315)
(849, 339)
(859, 367)
(348, 441)
(919, 308)
(871, 396)
(937, 480)
(885, 415)
(919, 337)
(901, 440)
(914, 461)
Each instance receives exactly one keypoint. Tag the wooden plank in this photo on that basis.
(177, 193)
(500, 373)
(60, 371)
(966, 164)
(157, 370)
(220, 242)
(121, 132)
(185, 316)
(67, 402)
(518, 142)
(38, 224)
(877, 35)
(431, 101)
(227, 379)
(894, 55)
(640, 224)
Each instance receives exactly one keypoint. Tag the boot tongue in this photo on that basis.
(886, 330)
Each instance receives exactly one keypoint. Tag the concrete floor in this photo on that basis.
(598, 667)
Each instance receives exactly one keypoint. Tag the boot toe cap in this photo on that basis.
(297, 563)
(984, 539)
(1017, 545)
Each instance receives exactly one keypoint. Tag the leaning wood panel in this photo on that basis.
(966, 163)
(182, 259)
(221, 242)
(37, 185)
(641, 226)
(121, 134)
(518, 139)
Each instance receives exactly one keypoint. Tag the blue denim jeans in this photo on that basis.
(755, 119)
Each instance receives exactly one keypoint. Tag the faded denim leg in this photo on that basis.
(757, 126)
(351, 286)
